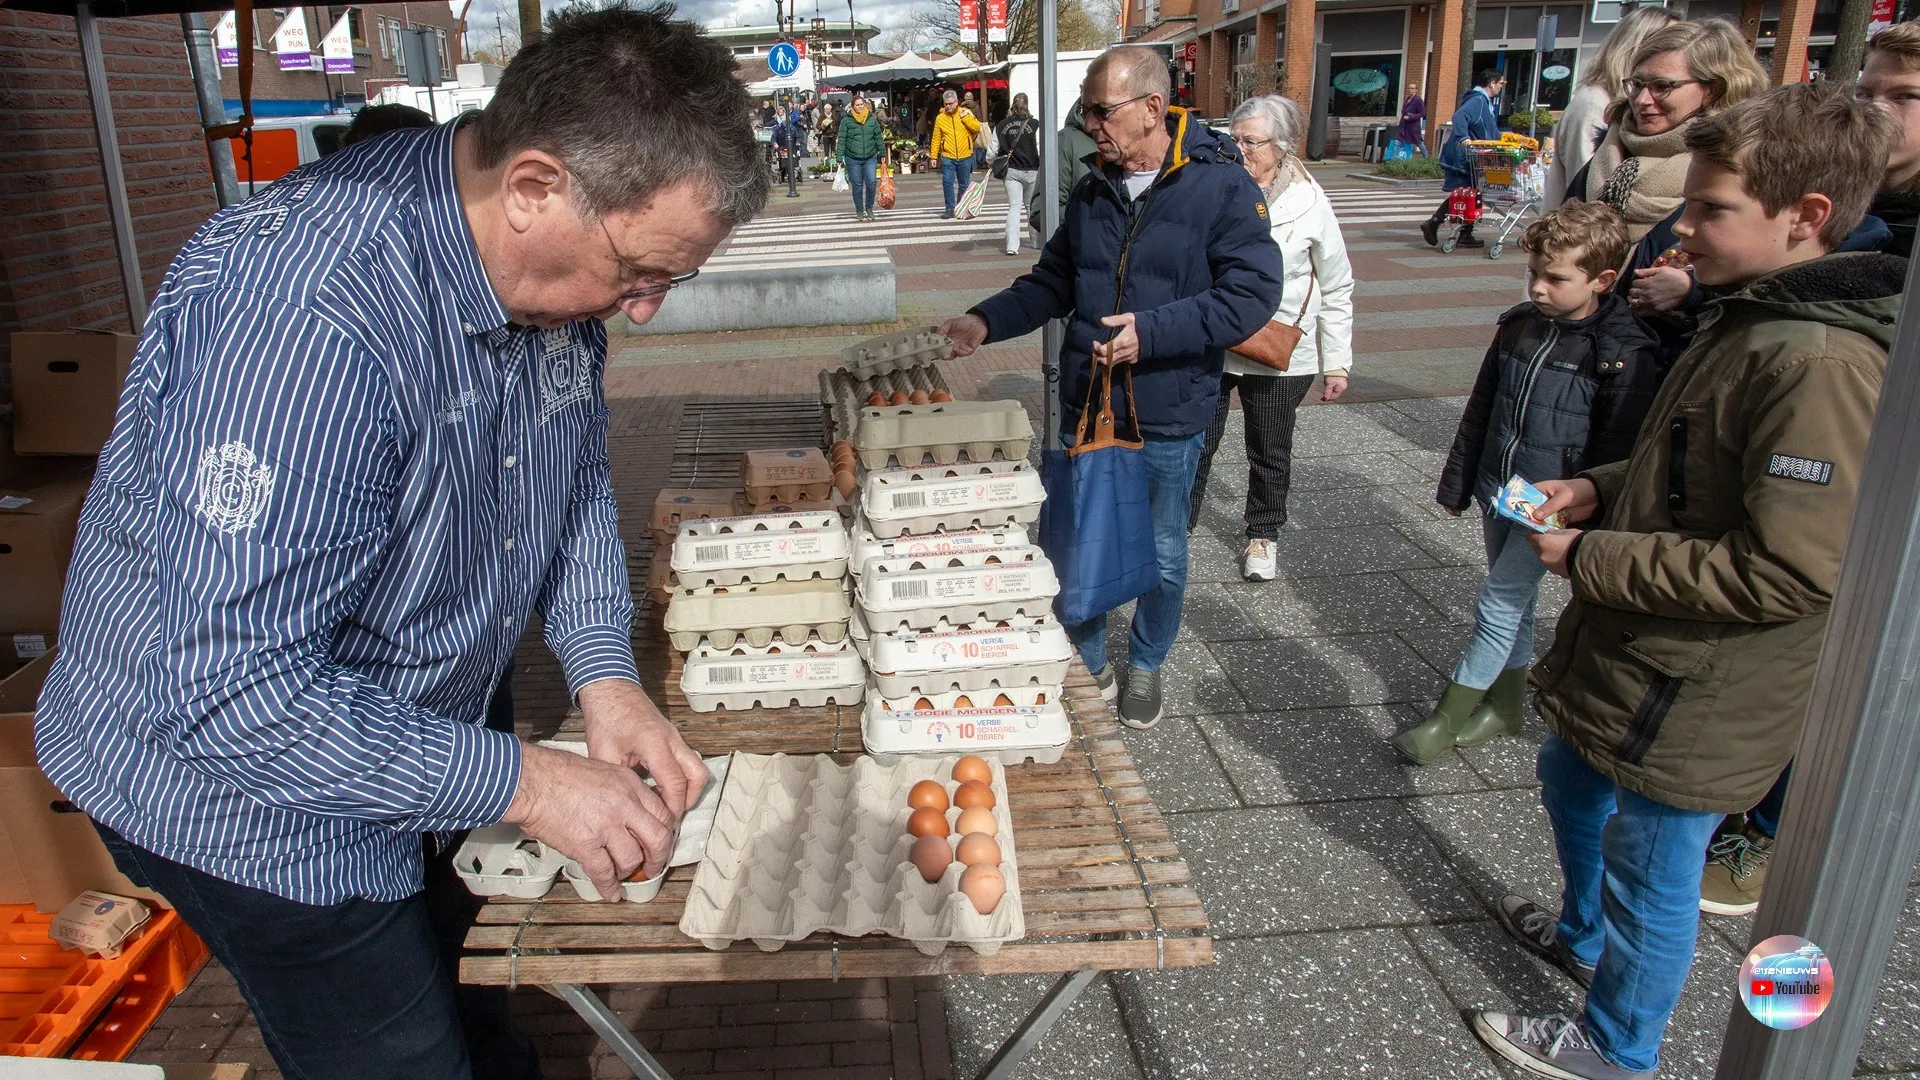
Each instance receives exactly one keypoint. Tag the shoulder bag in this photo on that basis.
(1272, 345)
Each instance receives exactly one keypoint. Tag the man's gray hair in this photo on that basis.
(1142, 71)
(949, 95)
(1286, 125)
(632, 102)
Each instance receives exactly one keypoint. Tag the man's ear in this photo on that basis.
(1809, 217)
(533, 183)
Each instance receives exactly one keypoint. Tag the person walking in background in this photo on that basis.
(789, 139)
(1413, 121)
(1020, 160)
(860, 142)
(1584, 123)
(1891, 80)
(1076, 153)
(1475, 119)
(954, 130)
(1317, 297)
(827, 126)
(1564, 386)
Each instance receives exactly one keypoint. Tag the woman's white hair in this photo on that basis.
(1286, 124)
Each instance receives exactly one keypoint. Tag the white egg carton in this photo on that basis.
(501, 861)
(917, 594)
(760, 548)
(802, 845)
(1033, 728)
(862, 635)
(893, 352)
(866, 546)
(910, 664)
(772, 676)
(675, 505)
(909, 434)
(929, 498)
(792, 611)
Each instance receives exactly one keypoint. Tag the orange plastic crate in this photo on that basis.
(50, 997)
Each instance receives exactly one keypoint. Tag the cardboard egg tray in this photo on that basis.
(662, 583)
(675, 505)
(792, 611)
(791, 475)
(917, 594)
(906, 665)
(892, 352)
(843, 394)
(866, 546)
(802, 844)
(773, 676)
(760, 548)
(1033, 728)
(908, 435)
(836, 502)
(969, 495)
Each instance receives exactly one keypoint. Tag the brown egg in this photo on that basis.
(939, 397)
(923, 705)
(974, 820)
(927, 821)
(899, 398)
(973, 794)
(963, 702)
(1003, 702)
(983, 886)
(918, 397)
(876, 398)
(931, 854)
(973, 767)
(977, 847)
(929, 794)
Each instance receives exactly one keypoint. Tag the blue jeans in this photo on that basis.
(1765, 816)
(1632, 901)
(955, 174)
(1171, 463)
(860, 177)
(1503, 615)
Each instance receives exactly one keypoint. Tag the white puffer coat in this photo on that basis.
(1310, 241)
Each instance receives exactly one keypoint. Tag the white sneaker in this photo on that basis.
(1260, 562)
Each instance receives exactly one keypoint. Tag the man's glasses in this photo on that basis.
(1096, 111)
(1659, 88)
(645, 291)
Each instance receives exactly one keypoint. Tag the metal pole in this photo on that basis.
(1053, 335)
(1322, 90)
(116, 177)
(213, 107)
(1012, 1053)
(1851, 831)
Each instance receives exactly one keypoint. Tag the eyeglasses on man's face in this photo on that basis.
(1096, 111)
(628, 274)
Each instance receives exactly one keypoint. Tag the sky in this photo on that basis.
(885, 14)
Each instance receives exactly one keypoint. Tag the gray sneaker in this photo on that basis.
(1140, 705)
(1109, 686)
(1539, 930)
(1555, 1046)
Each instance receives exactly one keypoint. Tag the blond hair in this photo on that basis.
(1798, 140)
(1900, 41)
(1614, 62)
(1717, 55)
(1594, 229)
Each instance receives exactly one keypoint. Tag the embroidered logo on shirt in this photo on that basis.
(562, 371)
(455, 409)
(1261, 209)
(234, 487)
(1810, 470)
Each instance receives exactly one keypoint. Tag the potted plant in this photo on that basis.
(1541, 119)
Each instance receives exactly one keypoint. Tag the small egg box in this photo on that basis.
(905, 665)
(675, 505)
(802, 844)
(892, 352)
(788, 475)
(662, 582)
(908, 435)
(760, 548)
(972, 495)
(916, 594)
(772, 676)
(792, 611)
(1033, 727)
(866, 546)
(501, 861)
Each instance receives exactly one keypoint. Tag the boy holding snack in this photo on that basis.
(1703, 568)
(1563, 388)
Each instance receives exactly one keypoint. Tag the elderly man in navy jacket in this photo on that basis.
(1163, 260)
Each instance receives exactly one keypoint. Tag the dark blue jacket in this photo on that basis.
(1474, 119)
(1202, 273)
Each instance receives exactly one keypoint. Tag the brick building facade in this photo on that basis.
(376, 56)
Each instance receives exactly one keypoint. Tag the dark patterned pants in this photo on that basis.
(1270, 403)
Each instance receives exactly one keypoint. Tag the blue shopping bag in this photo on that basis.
(1397, 150)
(1096, 525)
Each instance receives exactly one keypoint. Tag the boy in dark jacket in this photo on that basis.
(1703, 569)
(1563, 388)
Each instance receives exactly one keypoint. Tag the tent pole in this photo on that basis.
(116, 178)
(1053, 335)
(204, 59)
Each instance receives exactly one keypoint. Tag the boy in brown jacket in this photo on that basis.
(1703, 568)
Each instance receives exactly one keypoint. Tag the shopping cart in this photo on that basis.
(1507, 180)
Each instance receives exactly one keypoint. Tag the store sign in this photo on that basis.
(1359, 81)
(1882, 17)
(1556, 72)
(292, 43)
(969, 20)
(996, 20)
(226, 41)
(1190, 55)
(336, 50)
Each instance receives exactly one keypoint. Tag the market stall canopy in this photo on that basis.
(908, 67)
(121, 9)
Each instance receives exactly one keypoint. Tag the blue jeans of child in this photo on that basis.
(955, 174)
(1632, 901)
(1503, 615)
(1171, 463)
(860, 177)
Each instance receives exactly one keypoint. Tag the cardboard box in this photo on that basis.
(66, 386)
(37, 523)
(19, 650)
(49, 853)
(98, 923)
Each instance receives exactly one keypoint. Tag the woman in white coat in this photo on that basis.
(1318, 297)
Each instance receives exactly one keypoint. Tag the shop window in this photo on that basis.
(1366, 85)
(1523, 22)
(1490, 23)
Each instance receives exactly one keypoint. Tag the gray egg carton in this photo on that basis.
(760, 548)
(773, 676)
(920, 594)
(1008, 726)
(944, 498)
(792, 611)
(893, 352)
(995, 657)
(909, 435)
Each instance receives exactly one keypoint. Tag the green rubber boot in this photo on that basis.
(1425, 744)
(1503, 712)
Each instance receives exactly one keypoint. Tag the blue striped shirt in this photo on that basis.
(339, 482)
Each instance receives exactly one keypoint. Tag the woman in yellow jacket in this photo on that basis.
(952, 147)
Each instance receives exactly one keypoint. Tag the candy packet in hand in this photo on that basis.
(1518, 499)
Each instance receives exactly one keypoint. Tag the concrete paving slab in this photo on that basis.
(1180, 767)
(1317, 755)
(1089, 1040)
(1327, 672)
(1211, 614)
(1451, 589)
(1313, 606)
(1311, 553)
(1429, 463)
(1497, 842)
(1213, 552)
(1421, 494)
(1330, 432)
(1445, 409)
(1358, 470)
(1451, 541)
(1193, 682)
(1353, 508)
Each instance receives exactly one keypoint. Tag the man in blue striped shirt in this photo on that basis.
(363, 439)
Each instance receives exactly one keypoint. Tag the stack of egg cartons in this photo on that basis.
(671, 507)
(892, 369)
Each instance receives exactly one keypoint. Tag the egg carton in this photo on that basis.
(843, 394)
(948, 661)
(760, 548)
(773, 676)
(861, 634)
(802, 845)
(919, 346)
(501, 861)
(911, 434)
(792, 611)
(866, 546)
(786, 475)
(1008, 725)
(662, 582)
(916, 594)
(835, 501)
(675, 505)
(929, 498)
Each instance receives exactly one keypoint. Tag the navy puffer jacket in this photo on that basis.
(1202, 274)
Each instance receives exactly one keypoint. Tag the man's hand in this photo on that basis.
(1125, 346)
(1552, 547)
(968, 332)
(1658, 288)
(624, 728)
(601, 815)
(1332, 385)
(1450, 511)
(1579, 498)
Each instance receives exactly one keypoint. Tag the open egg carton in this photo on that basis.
(1007, 726)
(985, 659)
(760, 548)
(909, 435)
(843, 394)
(866, 546)
(792, 611)
(802, 845)
(918, 594)
(962, 495)
(772, 676)
(675, 505)
(903, 349)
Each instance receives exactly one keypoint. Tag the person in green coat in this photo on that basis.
(860, 143)
(1075, 149)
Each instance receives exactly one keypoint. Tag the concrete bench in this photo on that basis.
(755, 292)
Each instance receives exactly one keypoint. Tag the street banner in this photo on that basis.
(337, 48)
(1190, 55)
(996, 20)
(969, 20)
(1882, 17)
(226, 41)
(292, 44)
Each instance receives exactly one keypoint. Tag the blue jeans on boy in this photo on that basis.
(955, 174)
(860, 177)
(1631, 906)
(1171, 463)
(1503, 615)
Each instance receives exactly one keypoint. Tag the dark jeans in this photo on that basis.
(955, 175)
(1271, 403)
(1766, 815)
(860, 180)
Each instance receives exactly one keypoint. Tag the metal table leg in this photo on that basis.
(1036, 1025)
(611, 1031)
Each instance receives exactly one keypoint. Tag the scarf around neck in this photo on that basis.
(859, 114)
(1642, 176)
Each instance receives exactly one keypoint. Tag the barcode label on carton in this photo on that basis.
(29, 646)
(718, 675)
(710, 553)
(910, 590)
(909, 500)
